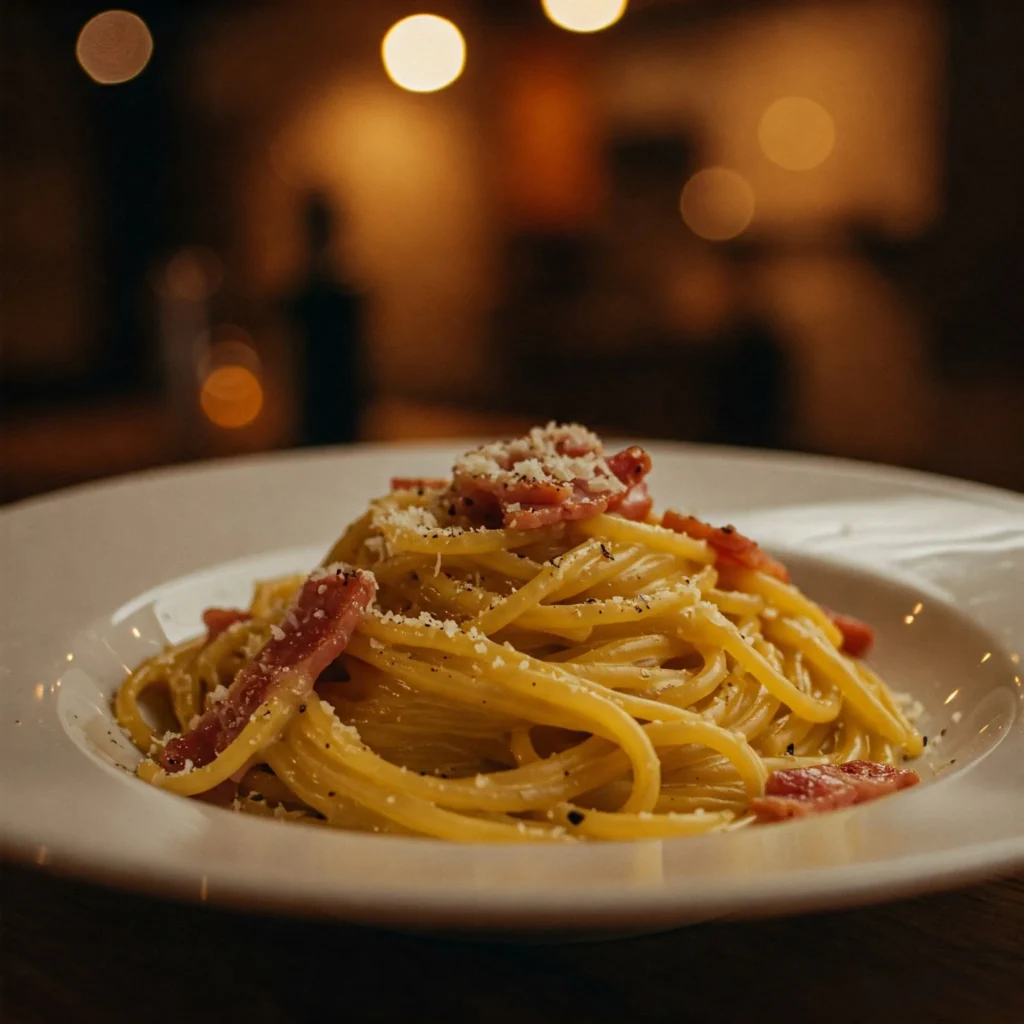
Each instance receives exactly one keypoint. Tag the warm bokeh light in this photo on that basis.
(114, 47)
(796, 133)
(192, 274)
(231, 347)
(584, 15)
(423, 53)
(231, 351)
(231, 397)
(717, 204)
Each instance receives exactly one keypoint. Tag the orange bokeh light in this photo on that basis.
(231, 397)
(114, 47)
(796, 133)
(192, 274)
(717, 204)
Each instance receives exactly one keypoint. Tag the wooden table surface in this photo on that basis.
(74, 952)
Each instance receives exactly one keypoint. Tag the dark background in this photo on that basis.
(261, 241)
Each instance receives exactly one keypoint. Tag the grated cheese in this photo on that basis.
(536, 459)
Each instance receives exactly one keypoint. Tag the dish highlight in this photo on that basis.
(525, 652)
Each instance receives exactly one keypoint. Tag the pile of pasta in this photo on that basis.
(590, 676)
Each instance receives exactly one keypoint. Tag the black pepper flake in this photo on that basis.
(302, 709)
(728, 529)
(924, 740)
(606, 552)
(942, 733)
(576, 818)
(566, 773)
(451, 510)
(790, 748)
(468, 502)
(327, 746)
(330, 792)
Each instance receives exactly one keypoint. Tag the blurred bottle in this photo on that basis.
(184, 286)
(327, 318)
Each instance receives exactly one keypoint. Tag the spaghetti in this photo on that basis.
(524, 652)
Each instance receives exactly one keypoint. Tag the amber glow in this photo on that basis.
(550, 163)
(114, 47)
(717, 204)
(796, 133)
(231, 397)
(193, 274)
(423, 53)
(230, 346)
(584, 15)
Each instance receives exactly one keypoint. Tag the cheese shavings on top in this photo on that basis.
(563, 455)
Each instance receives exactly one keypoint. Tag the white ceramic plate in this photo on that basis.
(95, 578)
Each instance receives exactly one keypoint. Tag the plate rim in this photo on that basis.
(962, 864)
(989, 494)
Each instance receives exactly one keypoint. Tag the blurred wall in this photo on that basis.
(521, 236)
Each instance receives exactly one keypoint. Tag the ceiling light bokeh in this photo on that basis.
(423, 53)
(584, 15)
